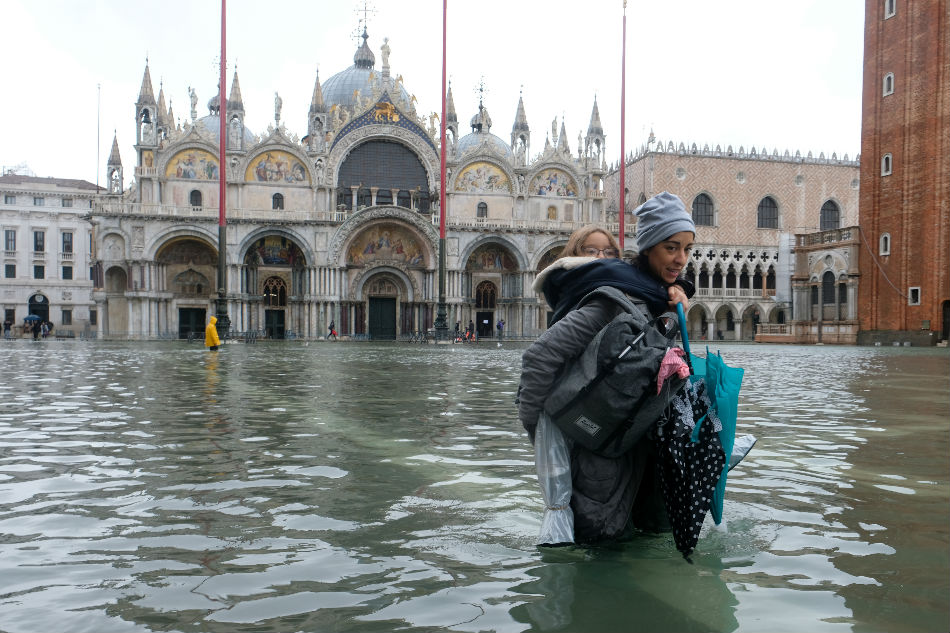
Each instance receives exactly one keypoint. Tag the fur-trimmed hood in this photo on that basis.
(567, 280)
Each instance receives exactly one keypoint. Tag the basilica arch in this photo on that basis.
(493, 283)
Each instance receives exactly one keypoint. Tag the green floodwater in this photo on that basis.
(389, 487)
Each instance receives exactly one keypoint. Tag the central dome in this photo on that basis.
(339, 89)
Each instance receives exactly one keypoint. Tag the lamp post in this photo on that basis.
(221, 303)
(441, 327)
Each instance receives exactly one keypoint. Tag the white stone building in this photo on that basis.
(47, 252)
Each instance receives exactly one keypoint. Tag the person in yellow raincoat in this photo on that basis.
(211, 335)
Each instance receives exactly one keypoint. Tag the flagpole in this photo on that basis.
(623, 121)
(221, 307)
(441, 327)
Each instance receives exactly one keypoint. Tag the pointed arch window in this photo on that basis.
(195, 198)
(768, 213)
(830, 216)
(485, 294)
(277, 201)
(702, 210)
(275, 292)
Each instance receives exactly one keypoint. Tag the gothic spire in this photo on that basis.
(145, 93)
(595, 126)
(521, 120)
(450, 116)
(235, 102)
(162, 112)
(562, 139)
(114, 158)
(316, 103)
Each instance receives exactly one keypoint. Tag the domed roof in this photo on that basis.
(481, 124)
(339, 88)
(210, 125)
(476, 139)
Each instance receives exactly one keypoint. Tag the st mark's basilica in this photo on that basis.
(341, 224)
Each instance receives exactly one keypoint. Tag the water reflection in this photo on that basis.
(377, 487)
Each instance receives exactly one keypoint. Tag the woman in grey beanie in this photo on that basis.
(665, 236)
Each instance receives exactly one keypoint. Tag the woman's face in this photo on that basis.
(668, 258)
(598, 245)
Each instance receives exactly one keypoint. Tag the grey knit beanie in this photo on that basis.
(660, 217)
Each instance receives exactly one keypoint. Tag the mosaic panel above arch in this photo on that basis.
(276, 166)
(275, 250)
(193, 164)
(386, 242)
(491, 257)
(553, 182)
(482, 177)
(549, 257)
(187, 251)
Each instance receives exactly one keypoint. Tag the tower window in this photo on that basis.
(913, 296)
(884, 244)
(702, 210)
(482, 211)
(887, 164)
(890, 8)
(195, 198)
(888, 87)
(768, 213)
(277, 202)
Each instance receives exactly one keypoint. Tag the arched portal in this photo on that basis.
(188, 267)
(492, 274)
(382, 293)
(274, 278)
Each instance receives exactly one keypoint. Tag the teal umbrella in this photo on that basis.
(722, 386)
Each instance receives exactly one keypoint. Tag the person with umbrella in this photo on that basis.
(31, 323)
(607, 497)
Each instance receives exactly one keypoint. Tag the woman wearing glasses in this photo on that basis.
(604, 499)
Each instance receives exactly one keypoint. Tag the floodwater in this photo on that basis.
(389, 487)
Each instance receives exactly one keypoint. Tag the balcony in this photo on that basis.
(130, 209)
(66, 257)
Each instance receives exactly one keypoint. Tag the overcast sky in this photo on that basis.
(766, 73)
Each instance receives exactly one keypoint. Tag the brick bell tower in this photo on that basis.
(904, 292)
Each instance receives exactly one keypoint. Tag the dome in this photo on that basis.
(338, 89)
(210, 125)
(477, 139)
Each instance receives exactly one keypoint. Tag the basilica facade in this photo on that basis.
(341, 224)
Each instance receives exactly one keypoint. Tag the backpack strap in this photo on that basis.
(631, 306)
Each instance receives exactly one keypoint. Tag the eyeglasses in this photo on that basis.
(594, 252)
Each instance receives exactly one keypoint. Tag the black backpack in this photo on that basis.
(606, 399)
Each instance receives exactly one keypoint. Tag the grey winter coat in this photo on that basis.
(604, 489)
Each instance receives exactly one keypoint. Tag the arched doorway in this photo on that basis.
(275, 304)
(189, 266)
(274, 279)
(492, 280)
(546, 260)
(117, 317)
(39, 305)
(382, 295)
(486, 294)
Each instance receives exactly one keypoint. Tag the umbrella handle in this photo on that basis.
(682, 319)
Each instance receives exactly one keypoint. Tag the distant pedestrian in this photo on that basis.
(331, 331)
(7, 325)
(211, 335)
(471, 327)
(500, 326)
